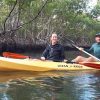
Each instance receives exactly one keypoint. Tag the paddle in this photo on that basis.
(14, 55)
(82, 50)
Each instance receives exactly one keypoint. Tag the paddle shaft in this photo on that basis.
(83, 50)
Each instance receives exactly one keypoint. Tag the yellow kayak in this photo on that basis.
(10, 64)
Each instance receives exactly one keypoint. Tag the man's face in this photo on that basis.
(97, 39)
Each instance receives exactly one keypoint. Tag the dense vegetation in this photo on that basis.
(30, 22)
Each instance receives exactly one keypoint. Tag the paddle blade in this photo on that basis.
(14, 55)
(92, 64)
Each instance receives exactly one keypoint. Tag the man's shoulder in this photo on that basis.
(94, 44)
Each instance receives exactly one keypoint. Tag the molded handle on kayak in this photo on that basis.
(14, 55)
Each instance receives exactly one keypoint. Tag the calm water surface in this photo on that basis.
(56, 85)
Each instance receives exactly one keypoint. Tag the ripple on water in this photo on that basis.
(78, 85)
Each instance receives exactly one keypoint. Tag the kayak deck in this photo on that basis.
(31, 65)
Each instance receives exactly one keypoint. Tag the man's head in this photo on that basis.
(97, 37)
(54, 38)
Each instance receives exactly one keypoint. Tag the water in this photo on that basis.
(56, 85)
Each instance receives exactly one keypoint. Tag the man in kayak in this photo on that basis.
(54, 51)
(95, 50)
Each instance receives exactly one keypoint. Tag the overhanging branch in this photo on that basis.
(4, 30)
(20, 26)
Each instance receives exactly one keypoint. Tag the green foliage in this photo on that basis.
(9, 2)
(96, 11)
(71, 17)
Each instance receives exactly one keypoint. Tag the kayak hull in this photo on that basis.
(9, 64)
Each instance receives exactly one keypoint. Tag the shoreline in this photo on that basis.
(30, 48)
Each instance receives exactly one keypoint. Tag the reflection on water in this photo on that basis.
(86, 87)
(71, 85)
(65, 85)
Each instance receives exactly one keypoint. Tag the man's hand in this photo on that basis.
(81, 49)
